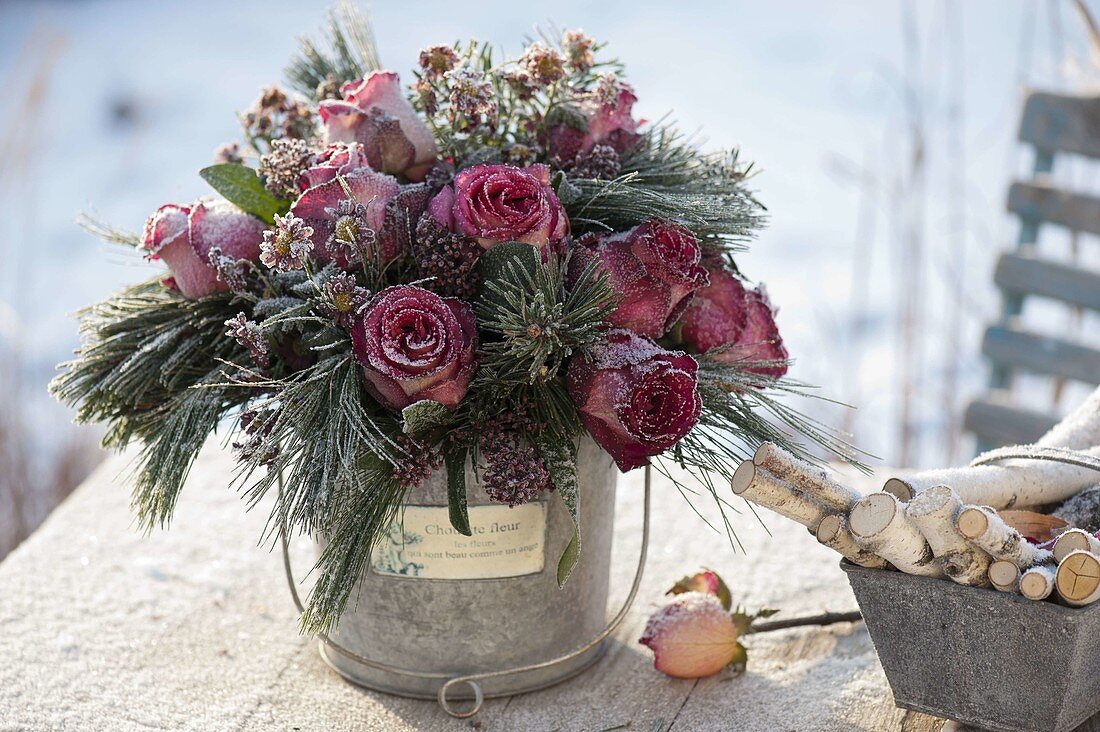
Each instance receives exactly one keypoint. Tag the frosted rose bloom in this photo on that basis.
(375, 113)
(655, 270)
(499, 203)
(415, 345)
(691, 637)
(635, 398)
(607, 122)
(318, 206)
(182, 237)
(739, 321)
(338, 158)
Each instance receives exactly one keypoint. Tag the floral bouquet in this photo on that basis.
(483, 267)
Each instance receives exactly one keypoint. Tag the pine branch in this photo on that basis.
(540, 322)
(346, 52)
(146, 368)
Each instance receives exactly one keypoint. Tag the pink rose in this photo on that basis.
(414, 345)
(499, 203)
(737, 321)
(375, 113)
(635, 398)
(611, 124)
(339, 158)
(654, 268)
(320, 208)
(692, 636)
(182, 236)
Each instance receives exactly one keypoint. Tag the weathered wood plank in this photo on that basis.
(1000, 423)
(1027, 274)
(1040, 202)
(1059, 123)
(1042, 354)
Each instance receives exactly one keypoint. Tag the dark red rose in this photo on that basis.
(182, 236)
(635, 398)
(739, 322)
(654, 269)
(498, 203)
(375, 113)
(415, 345)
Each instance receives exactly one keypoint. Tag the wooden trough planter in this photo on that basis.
(986, 658)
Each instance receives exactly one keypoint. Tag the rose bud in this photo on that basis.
(654, 268)
(182, 236)
(343, 226)
(375, 113)
(414, 345)
(339, 158)
(635, 398)
(692, 636)
(738, 322)
(706, 581)
(606, 119)
(499, 203)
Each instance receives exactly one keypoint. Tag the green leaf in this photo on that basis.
(424, 416)
(242, 187)
(456, 490)
(560, 458)
(494, 263)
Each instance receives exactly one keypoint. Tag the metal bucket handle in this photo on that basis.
(471, 680)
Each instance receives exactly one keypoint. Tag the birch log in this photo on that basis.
(934, 511)
(1013, 483)
(1075, 540)
(997, 486)
(879, 525)
(988, 530)
(1078, 578)
(1004, 575)
(1038, 582)
(834, 533)
(811, 479)
(764, 489)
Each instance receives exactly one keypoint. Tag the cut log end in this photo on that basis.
(1074, 540)
(743, 477)
(1078, 578)
(899, 489)
(972, 522)
(872, 514)
(1037, 583)
(1003, 575)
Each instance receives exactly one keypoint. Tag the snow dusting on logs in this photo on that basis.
(955, 523)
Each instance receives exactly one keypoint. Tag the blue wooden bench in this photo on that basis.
(1062, 126)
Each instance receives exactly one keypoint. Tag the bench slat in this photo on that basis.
(1042, 354)
(1038, 202)
(1058, 123)
(997, 423)
(1024, 274)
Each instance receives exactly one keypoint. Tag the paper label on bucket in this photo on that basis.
(506, 542)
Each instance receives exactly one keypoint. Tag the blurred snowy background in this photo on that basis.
(885, 131)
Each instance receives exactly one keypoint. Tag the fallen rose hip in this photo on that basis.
(691, 637)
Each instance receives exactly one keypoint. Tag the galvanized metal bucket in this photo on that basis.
(438, 607)
(991, 659)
